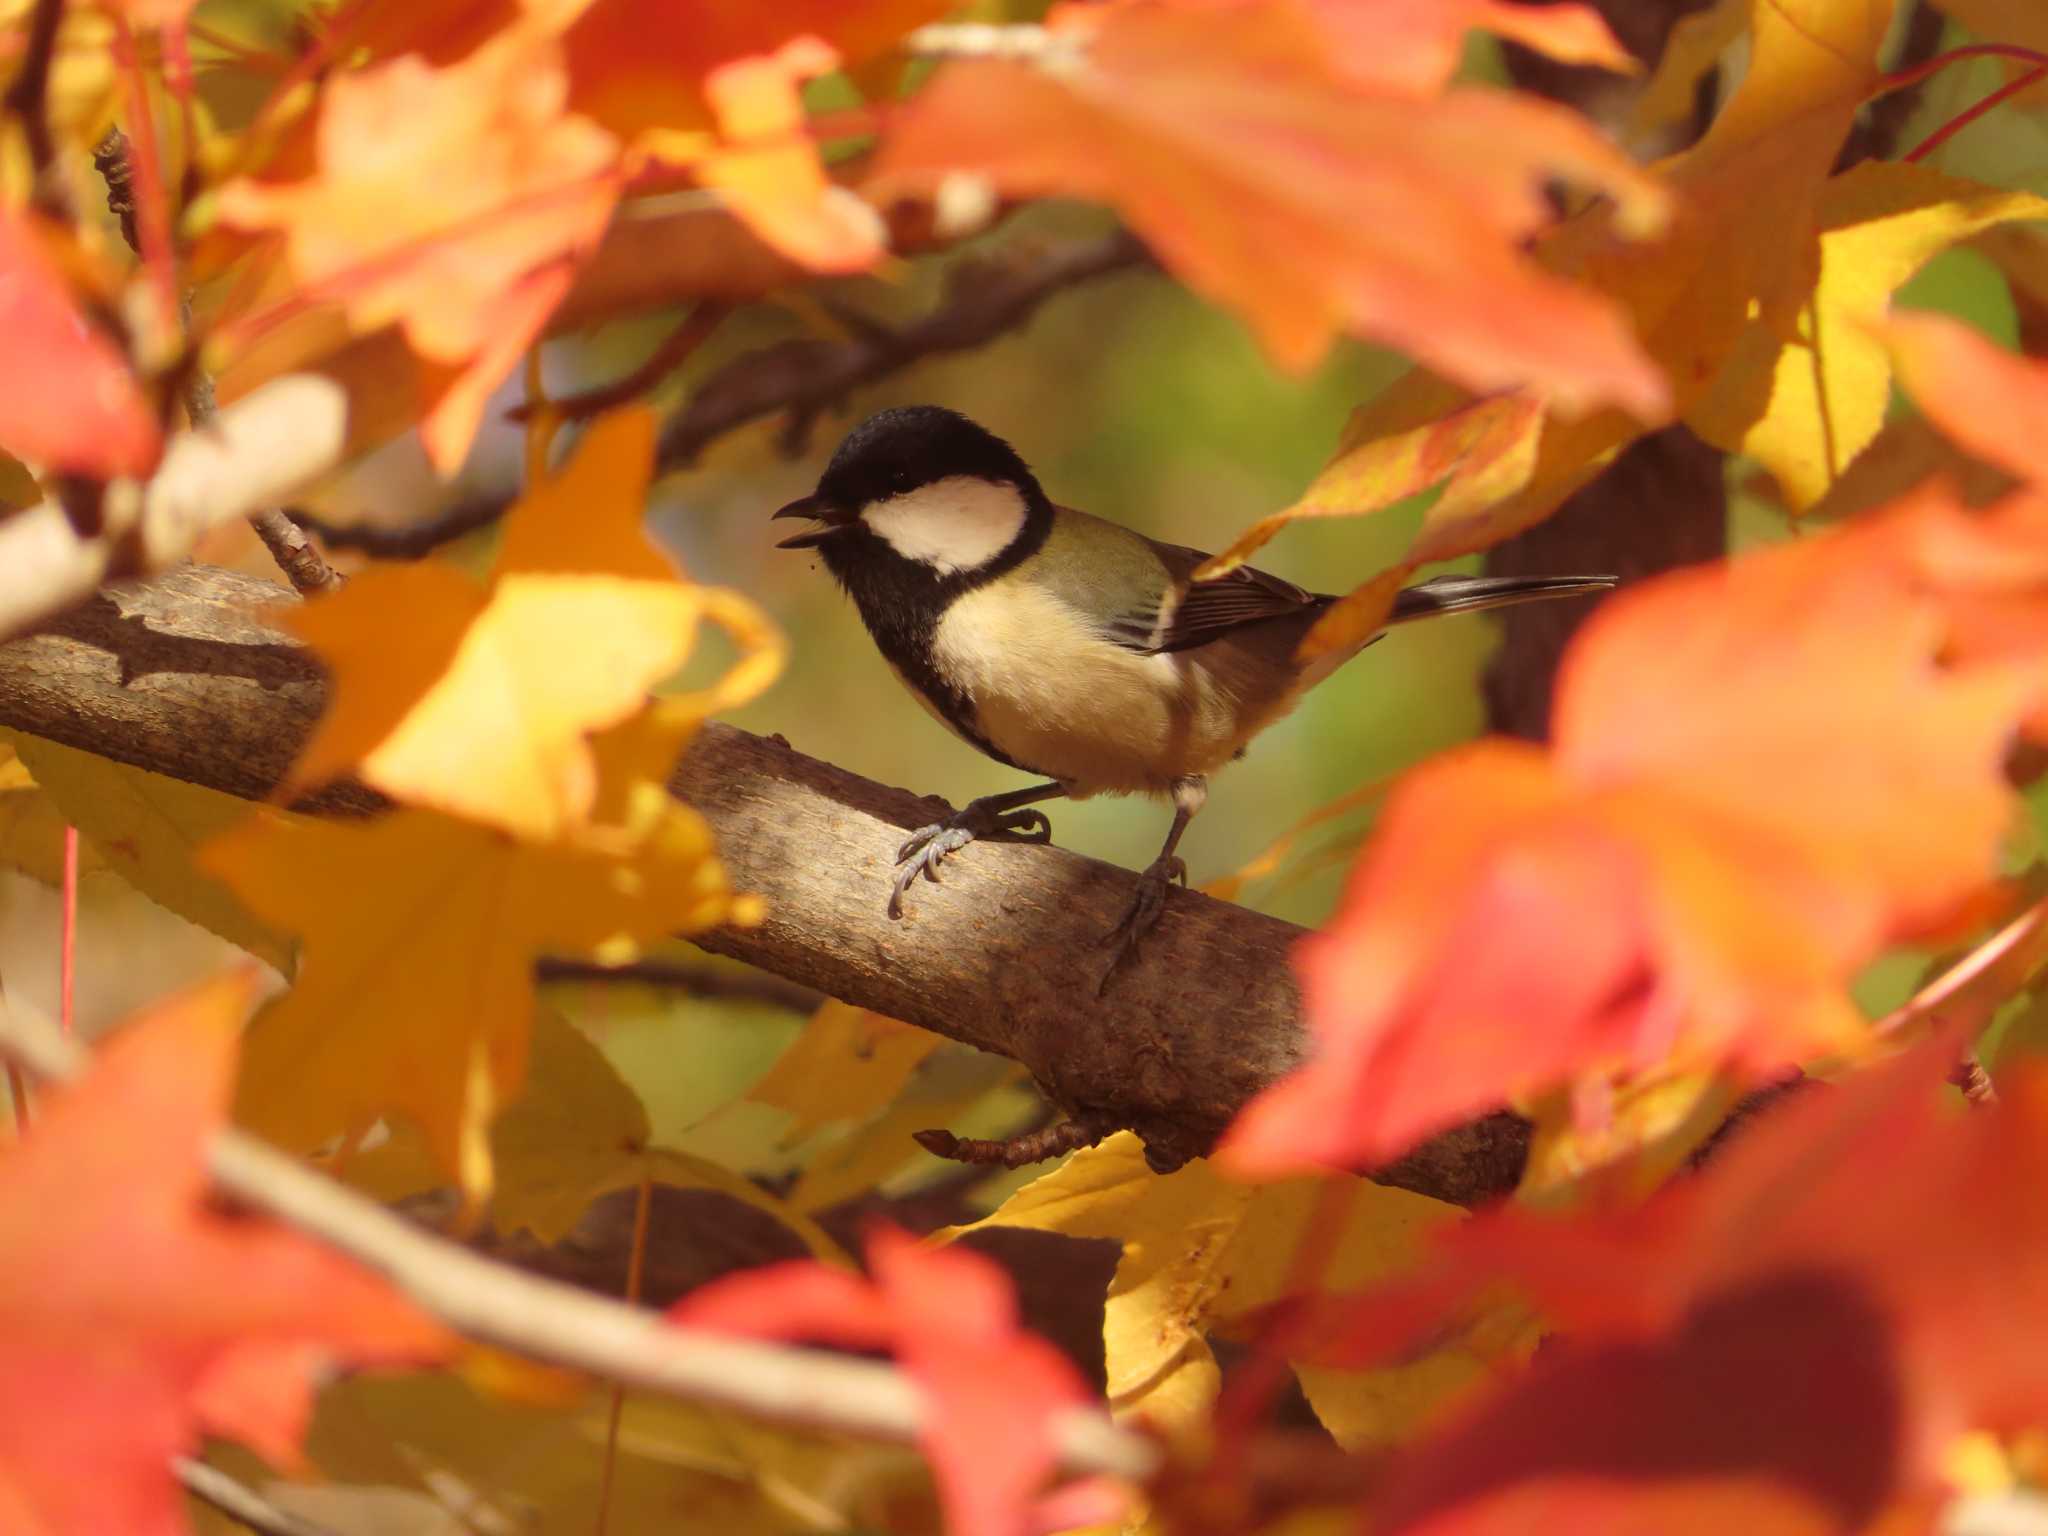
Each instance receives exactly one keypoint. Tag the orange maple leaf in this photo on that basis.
(456, 201)
(1878, 1293)
(1760, 777)
(414, 990)
(951, 1318)
(1272, 183)
(1417, 45)
(480, 703)
(70, 403)
(134, 1314)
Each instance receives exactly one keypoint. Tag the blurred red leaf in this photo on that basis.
(77, 408)
(951, 1319)
(133, 1313)
(1272, 183)
(1790, 1341)
(455, 201)
(1760, 777)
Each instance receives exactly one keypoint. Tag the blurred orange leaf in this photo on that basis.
(1877, 1293)
(769, 170)
(1759, 778)
(454, 200)
(135, 1314)
(481, 700)
(1231, 143)
(1418, 44)
(951, 1318)
(418, 932)
(847, 1064)
(77, 409)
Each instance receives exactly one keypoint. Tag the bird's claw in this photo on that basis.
(1147, 903)
(927, 847)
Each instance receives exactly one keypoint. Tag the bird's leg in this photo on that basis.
(1188, 795)
(992, 816)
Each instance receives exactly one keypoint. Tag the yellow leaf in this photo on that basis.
(1807, 402)
(576, 1132)
(1203, 1254)
(951, 1084)
(418, 934)
(147, 828)
(848, 1064)
(1648, 1132)
(1395, 448)
(478, 700)
(31, 826)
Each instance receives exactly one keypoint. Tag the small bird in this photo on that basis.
(1064, 645)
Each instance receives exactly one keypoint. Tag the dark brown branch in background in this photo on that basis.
(805, 377)
(28, 98)
(986, 296)
(707, 981)
(302, 563)
(175, 676)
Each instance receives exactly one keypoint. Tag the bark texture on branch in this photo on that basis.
(177, 676)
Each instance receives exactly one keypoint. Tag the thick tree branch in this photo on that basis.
(561, 1324)
(176, 676)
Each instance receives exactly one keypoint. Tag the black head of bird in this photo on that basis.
(1064, 645)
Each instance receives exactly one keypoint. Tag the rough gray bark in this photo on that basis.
(175, 675)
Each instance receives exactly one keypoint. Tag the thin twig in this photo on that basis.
(28, 98)
(547, 1320)
(296, 555)
(415, 541)
(698, 980)
(238, 1501)
(676, 348)
(986, 296)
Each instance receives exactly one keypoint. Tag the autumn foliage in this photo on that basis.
(1729, 941)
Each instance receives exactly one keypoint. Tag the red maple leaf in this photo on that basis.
(1762, 774)
(135, 1315)
(71, 404)
(1789, 1342)
(950, 1317)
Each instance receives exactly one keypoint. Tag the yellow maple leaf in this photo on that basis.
(417, 935)
(846, 1065)
(141, 825)
(1806, 403)
(478, 699)
(576, 1131)
(1203, 1255)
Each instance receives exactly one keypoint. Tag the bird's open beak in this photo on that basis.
(832, 518)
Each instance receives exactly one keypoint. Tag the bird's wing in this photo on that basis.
(1189, 613)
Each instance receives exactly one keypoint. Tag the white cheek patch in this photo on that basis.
(951, 525)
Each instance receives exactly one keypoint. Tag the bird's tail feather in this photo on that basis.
(1471, 594)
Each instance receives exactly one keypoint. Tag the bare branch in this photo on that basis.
(262, 447)
(698, 980)
(986, 296)
(547, 1320)
(805, 376)
(241, 1503)
(176, 676)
